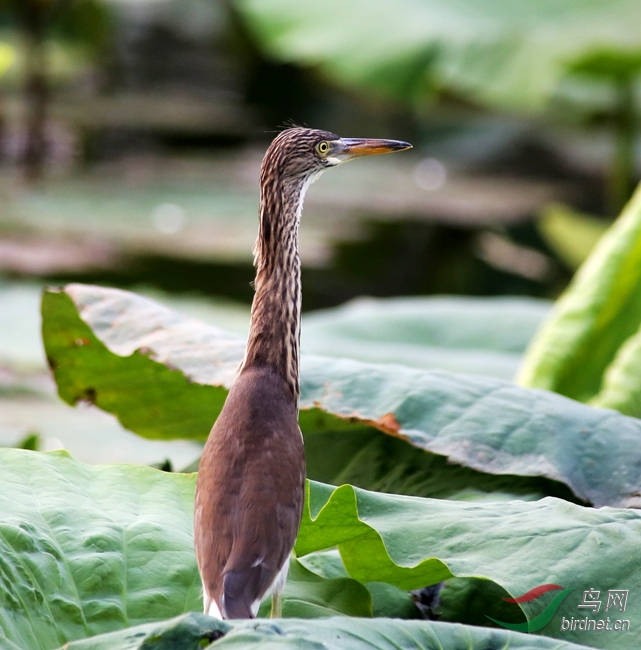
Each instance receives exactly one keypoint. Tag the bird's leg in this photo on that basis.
(277, 591)
(277, 605)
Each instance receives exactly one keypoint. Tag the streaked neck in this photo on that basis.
(274, 333)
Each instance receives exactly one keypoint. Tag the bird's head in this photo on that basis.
(301, 153)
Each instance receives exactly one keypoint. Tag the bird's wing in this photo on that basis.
(264, 537)
(250, 494)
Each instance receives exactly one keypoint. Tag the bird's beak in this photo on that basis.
(347, 148)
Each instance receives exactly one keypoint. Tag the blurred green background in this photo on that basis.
(131, 133)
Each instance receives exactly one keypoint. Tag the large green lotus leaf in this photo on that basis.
(510, 53)
(166, 376)
(163, 375)
(473, 335)
(86, 550)
(597, 313)
(503, 324)
(373, 460)
(89, 549)
(195, 631)
(412, 542)
(486, 424)
(29, 403)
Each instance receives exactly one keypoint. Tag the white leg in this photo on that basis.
(277, 591)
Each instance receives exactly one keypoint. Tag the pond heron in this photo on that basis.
(251, 481)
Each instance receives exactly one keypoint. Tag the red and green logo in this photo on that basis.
(544, 617)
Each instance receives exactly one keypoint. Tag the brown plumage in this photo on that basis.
(250, 490)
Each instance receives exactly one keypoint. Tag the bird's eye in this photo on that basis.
(322, 147)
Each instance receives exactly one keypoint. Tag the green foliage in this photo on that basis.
(81, 22)
(86, 550)
(508, 54)
(308, 595)
(31, 441)
(410, 542)
(189, 632)
(129, 382)
(515, 54)
(7, 57)
(90, 550)
(87, 23)
(621, 388)
(373, 460)
(193, 632)
(587, 349)
(477, 336)
(164, 375)
(102, 557)
(571, 234)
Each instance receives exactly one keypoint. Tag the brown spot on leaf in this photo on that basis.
(388, 424)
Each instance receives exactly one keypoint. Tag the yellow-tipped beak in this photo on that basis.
(348, 148)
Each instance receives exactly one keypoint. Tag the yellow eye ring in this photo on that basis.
(322, 147)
